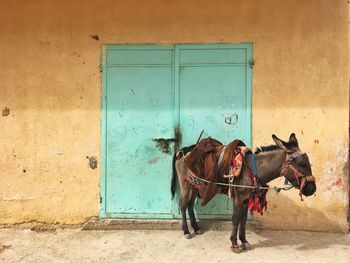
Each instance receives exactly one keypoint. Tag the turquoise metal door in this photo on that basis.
(148, 92)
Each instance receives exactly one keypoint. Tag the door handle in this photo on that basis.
(163, 143)
(165, 139)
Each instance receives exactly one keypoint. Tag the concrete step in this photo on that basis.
(150, 224)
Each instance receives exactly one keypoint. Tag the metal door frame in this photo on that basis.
(176, 89)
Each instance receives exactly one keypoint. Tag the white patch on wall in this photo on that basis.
(333, 183)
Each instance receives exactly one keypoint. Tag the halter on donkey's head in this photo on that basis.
(296, 163)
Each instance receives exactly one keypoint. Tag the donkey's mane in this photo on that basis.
(268, 148)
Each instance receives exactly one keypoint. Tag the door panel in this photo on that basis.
(213, 97)
(139, 108)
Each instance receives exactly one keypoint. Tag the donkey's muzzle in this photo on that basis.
(309, 187)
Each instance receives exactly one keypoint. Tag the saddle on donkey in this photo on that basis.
(211, 160)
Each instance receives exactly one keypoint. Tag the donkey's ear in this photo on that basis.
(293, 140)
(283, 145)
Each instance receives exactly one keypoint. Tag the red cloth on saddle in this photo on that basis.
(238, 159)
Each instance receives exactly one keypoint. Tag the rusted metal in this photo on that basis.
(163, 143)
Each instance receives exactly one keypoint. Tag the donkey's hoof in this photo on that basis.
(188, 236)
(235, 249)
(246, 246)
(198, 232)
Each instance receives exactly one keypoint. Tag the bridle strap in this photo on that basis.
(288, 164)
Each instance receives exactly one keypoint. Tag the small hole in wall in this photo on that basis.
(24, 170)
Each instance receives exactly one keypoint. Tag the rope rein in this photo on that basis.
(276, 188)
(234, 185)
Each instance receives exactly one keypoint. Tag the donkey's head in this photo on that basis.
(296, 167)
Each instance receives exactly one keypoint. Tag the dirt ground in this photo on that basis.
(74, 245)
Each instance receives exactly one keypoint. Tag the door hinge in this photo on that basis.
(251, 63)
(101, 68)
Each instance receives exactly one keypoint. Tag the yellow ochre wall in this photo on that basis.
(51, 83)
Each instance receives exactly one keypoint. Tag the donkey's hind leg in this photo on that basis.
(184, 200)
(194, 193)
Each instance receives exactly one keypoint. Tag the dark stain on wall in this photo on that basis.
(5, 111)
(92, 161)
(95, 37)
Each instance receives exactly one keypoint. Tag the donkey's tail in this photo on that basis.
(173, 178)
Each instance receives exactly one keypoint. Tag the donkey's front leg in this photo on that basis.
(236, 218)
(242, 225)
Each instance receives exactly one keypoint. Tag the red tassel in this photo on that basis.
(255, 204)
(251, 205)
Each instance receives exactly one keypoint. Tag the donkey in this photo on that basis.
(281, 159)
